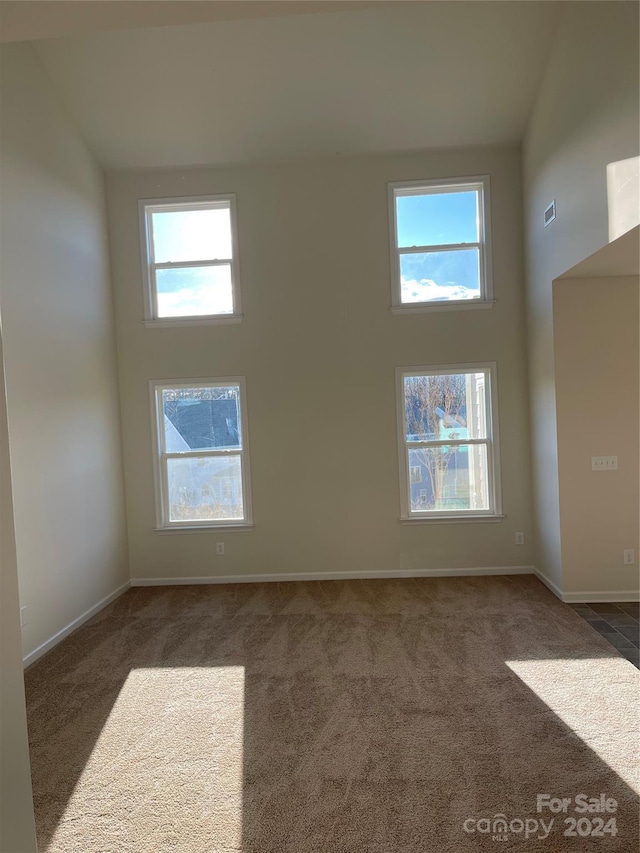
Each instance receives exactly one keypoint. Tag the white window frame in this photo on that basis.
(160, 455)
(148, 206)
(494, 512)
(479, 183)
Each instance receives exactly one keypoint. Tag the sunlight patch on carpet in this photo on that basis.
(168, 765)
(588, 694)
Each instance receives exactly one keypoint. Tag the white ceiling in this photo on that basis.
(393, 77)
(43, 19)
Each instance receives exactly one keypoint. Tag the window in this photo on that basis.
(447, 429)
(190, 260)
(202, 461)
(440, 245)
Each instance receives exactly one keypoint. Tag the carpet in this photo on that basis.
(387, 716)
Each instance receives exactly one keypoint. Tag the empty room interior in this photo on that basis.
(320, 429)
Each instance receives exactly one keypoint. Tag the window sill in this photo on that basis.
(454, 519)
(452, 305)
(204, 528)
(172, 322)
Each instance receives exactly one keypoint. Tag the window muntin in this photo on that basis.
(190, 258)
(448, 442)
(440, 242)
(202, 465)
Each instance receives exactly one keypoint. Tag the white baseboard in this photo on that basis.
(601, 596)
(595, 596)
(484, 571)
(33, 656)
(332, 576)
(548, 583)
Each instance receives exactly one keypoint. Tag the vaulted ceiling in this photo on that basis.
(369, 77)
(41, 19)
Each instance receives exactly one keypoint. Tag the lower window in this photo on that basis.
(201, 459)
(447, 430)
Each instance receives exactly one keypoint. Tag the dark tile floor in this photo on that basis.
(618, 623)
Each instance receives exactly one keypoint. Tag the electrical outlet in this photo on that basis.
(23, 616)
(604, 463)
(519, 538)
(220, 548)
(629, 557)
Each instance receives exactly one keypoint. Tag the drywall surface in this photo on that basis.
(60, 362)
(17, 827)
(318, 346)
(597, 399)
(367, 79)
(585, 118)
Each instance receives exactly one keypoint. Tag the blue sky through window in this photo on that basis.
(431, 220)
(436, 219)
(192, 235)
(187, 236)
(440, 276)
(194, 291)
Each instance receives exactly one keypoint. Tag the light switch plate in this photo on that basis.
(604, 463)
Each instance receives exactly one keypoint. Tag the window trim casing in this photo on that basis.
(494, 513)
(160, 480)
(151, 318)
(433, 186)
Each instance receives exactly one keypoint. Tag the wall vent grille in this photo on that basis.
(550, 213)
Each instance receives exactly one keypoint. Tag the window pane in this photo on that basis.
(415, 474)
(436, 219)
(440, 276)
(206, 489)
(453, 478)
(202, 418)
(191, 235)
(194, 291)
(448, 405)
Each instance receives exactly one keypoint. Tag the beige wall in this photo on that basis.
(596, 357)
(585, 118)
(59, 357)
(318, 347)
(17, 827)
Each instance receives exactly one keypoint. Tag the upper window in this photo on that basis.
(447, 428)
(440, 246)
(202, 463)
(190, 258)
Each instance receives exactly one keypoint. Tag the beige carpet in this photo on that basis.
(332, 717)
